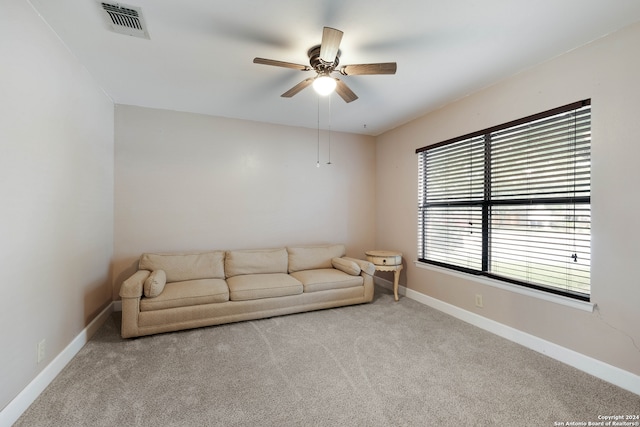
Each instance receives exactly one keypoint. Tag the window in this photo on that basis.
(512, 202)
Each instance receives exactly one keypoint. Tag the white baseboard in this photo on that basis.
(597, 368)
(30, 393)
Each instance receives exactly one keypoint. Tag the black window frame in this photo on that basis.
(486, 203)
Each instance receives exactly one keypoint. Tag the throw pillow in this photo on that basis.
(154, 285)
(346, 265)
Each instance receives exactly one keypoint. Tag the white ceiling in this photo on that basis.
(200, 52)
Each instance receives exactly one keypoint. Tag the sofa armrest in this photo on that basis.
(365, 266)
(133, 286)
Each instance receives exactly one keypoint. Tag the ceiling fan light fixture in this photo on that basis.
(324, 85)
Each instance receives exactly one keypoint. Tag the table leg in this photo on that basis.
(396, 279)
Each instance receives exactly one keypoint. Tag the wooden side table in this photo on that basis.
(387, 261)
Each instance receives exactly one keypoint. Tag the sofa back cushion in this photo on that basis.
(255, 261)
(190, 266)
(313, 257)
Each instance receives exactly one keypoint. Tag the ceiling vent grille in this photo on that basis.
(125, 19)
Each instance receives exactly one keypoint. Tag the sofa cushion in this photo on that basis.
(154, 284)
(325, 279)
(255, 261)
(188, 293)
(256, 286)
(346, 266)
(313, 257)
(189, 266)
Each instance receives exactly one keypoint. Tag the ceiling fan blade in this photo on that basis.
(330, 44)
(281, 64)
(345, 93)
(361, 69)
(297, 88)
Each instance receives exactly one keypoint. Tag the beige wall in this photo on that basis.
(56, 192)
(186, 182)
(607, 72)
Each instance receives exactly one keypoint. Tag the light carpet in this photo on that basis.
(380, 364)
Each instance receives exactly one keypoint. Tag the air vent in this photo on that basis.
(125, 19)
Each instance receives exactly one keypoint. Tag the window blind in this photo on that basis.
(512, 202)
(451, 203)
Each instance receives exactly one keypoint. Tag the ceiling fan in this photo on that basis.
(324, 60)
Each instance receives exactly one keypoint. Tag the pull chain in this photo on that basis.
(329, 162)
(318, 143)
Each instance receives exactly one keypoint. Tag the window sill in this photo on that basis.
(557, 299)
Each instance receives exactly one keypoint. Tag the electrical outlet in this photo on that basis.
(479, 300)
(42, 350)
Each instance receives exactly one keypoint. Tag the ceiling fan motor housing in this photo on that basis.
(318, 64)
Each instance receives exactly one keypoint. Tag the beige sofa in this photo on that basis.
(171, 292)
